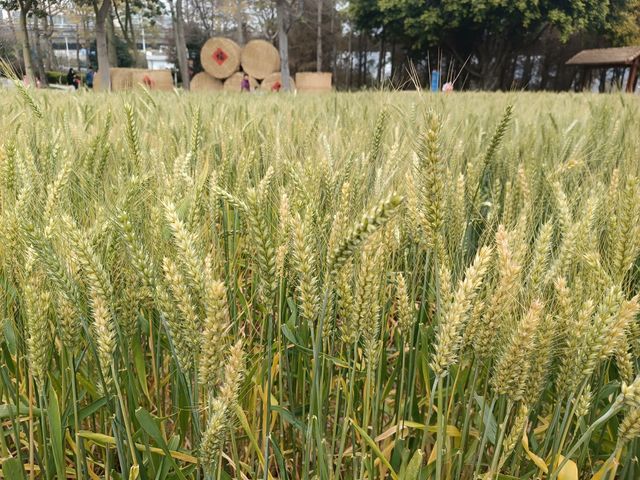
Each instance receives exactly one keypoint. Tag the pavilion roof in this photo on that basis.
(618, 56)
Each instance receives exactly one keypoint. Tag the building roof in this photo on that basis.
(606, 56)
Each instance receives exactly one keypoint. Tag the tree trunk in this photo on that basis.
(603, 80)
(581, 80)
(381, 60)
(42, 74)
(78, 46)
(139, 59)
(544, 75)
(283, 44)
(102, 12)
(85, 39)
(618, 78)
(16, 45)
(48, 33)
(526, 73)
(350, 69)
(240, 23)
(334, 45)
(133, 45)
(633, 76)
(365, 59)
(507, 74)
(111, 41)
(393, 59)
(319, 38)
(124, 28)
(26, 45)
(360, 61)
(181, 44)
(491, 55)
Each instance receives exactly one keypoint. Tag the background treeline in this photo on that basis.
(488, 44)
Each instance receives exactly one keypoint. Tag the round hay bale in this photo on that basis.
(220, 57)
(260, 59)
(234, 83)
(273, 83)
(203, 82)
(152, 79)
(313, 81)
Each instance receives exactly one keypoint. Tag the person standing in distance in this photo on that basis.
(71, 78)
(88, 78)
(245, 85)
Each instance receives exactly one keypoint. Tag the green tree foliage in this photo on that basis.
(123, 53)
(381, 17)
(623, 22)
(487, 32)
(26, 9)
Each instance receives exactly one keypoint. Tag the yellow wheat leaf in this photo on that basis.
(386, 452)
(275, 365)
(452, 430)
(540, 463)
(434, 454)
(569, 471)
(604, 469)
(134, 472)
(609, 465)
(543, 427)
(376, 450)
(109, 442)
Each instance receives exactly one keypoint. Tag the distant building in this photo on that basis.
(73, 36)
(158, 59)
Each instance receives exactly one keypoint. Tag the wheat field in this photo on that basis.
(343, 286)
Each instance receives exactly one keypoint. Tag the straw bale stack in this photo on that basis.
(273, 83)
(234, 83)
(203, 82)
(152, 79)
(121, 79)
(259, 59)
(130, 78)
(313, 81)
(220, 57)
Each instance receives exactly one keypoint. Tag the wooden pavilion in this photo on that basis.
(619, 57)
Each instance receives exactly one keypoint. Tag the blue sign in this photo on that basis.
(435, 81)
